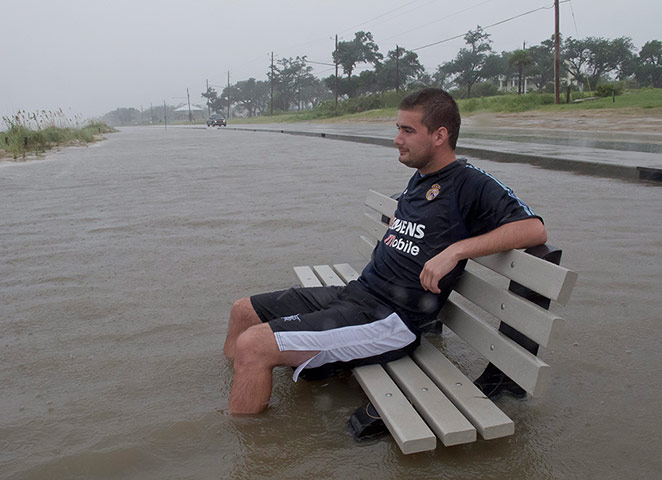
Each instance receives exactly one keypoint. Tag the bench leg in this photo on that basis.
(493, 381)
(365, 423)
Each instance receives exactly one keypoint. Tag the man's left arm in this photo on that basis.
(525, 233)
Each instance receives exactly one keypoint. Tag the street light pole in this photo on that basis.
(557, 54)
(335, 60)
(188, 98)
(228, 94)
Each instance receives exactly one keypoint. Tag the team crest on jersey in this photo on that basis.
(433, 192)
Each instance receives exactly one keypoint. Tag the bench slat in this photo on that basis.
(374, 227)
(328, 276)
(538, 324)
(490, 421)
(366, 246)
(407, 428)
(346, 272)
(549, 280)
(307, 277)
(438, 411)
(381, 203)
(523, 367)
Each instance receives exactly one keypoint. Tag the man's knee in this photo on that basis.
(242, 309)
(256, 347)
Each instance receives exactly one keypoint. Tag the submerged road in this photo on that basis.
(119, 264)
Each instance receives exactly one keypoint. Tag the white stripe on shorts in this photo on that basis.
(347, 343)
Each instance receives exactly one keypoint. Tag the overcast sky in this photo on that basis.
(89, 57)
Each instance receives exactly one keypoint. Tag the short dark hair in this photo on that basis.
(439, 110)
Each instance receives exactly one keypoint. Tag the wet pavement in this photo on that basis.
(625, 155)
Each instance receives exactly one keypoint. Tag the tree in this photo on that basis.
(291, 76)
(621, 54)
(520, 59)
(442, 78)
(469, 63)
(315, 92)
(496, 68)
(576, 56)
(362, 49)
(541, 71)
(400, 68)
(213, 100)
(596, 58)
(648, 70)
(122, 116)
(251, 95)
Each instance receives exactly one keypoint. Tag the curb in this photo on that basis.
(625, 172)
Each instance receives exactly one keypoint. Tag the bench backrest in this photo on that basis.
(479, 301)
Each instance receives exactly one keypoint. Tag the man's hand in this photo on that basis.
(436, 268)
(524, 233)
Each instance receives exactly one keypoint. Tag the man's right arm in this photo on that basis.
(524, 233)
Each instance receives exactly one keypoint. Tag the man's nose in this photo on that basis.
(398, 139)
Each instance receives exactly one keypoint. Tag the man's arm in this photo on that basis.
(520, 234)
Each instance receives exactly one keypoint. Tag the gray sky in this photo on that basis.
(90, 56)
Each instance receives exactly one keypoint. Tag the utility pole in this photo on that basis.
(228, 94)
(272, 84)
(557, 54)
(188, 98)
(335, 60)
(208, 109)
(397, 68)
(165, 115)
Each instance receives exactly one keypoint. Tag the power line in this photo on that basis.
(446, 17)
(379, 16)
(321, 63)
(572, 11)
(485, 28)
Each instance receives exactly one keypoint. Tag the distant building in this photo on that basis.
(511, 84)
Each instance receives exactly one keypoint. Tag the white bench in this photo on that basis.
(426, 396)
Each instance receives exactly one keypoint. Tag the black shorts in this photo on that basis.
(346, 325)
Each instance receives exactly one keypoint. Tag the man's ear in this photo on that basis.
(441, 136)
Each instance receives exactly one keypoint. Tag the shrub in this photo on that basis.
(609, 89)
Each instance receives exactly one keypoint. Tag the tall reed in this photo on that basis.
(36, 132)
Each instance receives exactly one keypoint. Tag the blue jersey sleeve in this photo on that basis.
(485, 203)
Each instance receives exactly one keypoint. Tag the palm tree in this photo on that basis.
(520, 59)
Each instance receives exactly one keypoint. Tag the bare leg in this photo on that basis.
(256, 355)
(242, 317)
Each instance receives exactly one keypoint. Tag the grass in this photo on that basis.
(647, 101)
(38, 132)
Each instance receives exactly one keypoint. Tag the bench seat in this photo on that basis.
(425, 396)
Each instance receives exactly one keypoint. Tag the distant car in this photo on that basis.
(216, 120)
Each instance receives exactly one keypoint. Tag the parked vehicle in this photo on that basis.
(216, 120)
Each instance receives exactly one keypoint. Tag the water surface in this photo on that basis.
(120, 262)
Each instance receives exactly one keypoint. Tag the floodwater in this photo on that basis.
(120, 262)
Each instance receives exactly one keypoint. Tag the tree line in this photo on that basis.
(476, 70)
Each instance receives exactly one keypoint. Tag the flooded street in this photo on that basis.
(119, 263)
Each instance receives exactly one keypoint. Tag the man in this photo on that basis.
(449, 212)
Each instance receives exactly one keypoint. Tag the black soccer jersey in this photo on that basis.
(435, 211)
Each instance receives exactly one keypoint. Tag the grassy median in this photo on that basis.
(646, 101)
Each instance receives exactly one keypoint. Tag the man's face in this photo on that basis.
(414, 142)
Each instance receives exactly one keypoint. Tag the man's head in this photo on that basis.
(428, 125)
(439, 110)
